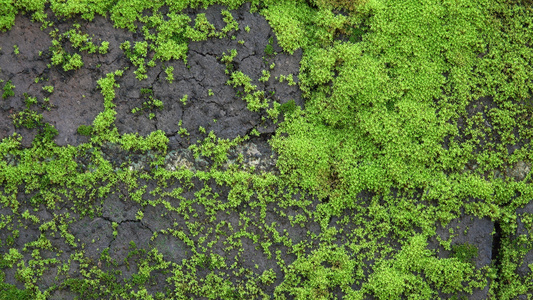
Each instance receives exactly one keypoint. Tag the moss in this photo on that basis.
(183, 99)
(86, 130)
(27, 118)
(7, 15)
(8, 291)
(170, 75)
(288, 107)
(269, 49)
(8, 90)
(465, 253)
(48, 88)
(380, 118)
(231, 24)
(104, 47)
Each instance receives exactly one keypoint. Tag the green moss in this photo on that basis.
(385, 84)
(184, 99)
(170, 76)
(288, 107)
(466, 253)
(8, 291)
(104, 47)
(202, 29)
(269, 49)
(231, 24)
(27, 118)
(48, 88)
(7, 15)
(8, 90)
(265, 76)
(85, 130)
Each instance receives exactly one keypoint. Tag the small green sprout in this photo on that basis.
(104, 47)
(147, 91)
(183, 131)
(16, 49)
(210, 92)
(170, 75)
(184, 99)
(269, 49)
(254, 132)
(46, 104)
(289, 78)
(247, 28)
(48, 88)
(29, 100)
(265, 76)
(115, 226)
(8, 90)
(201, 129)
(228, 58)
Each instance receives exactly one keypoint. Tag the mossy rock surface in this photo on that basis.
(310, 149)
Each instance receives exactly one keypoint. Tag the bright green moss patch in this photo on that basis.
(7, 15)
(288, 19)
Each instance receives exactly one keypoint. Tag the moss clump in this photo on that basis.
(269, 49)
(349, 5)
(288, 107)
(8, 291)
(27, 119)
(170, 75)
(465, 253)
(8, 90)
(86, 130)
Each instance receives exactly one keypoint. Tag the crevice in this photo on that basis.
(496, 246)
(117, 57)
(203, 54)
(124, 221)
(496, 242)
(253, 54)
(156, 78)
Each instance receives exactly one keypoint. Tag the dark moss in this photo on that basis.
(86, 130)
(465, 252)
